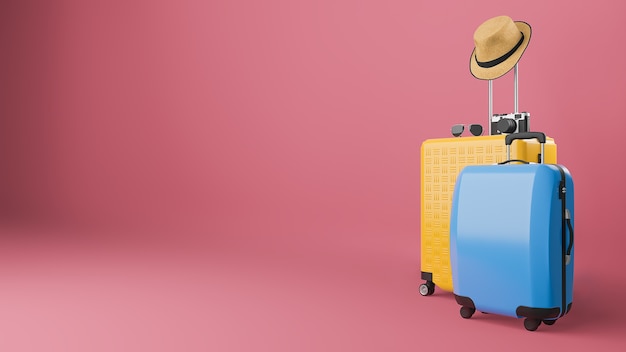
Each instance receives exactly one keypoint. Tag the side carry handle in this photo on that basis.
(540, 136)
(568, 253)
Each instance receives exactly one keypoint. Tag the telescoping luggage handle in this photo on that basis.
(508, 140)
(515, 95)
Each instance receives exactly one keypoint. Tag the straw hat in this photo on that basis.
(499, 44)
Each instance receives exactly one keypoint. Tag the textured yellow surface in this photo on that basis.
(442, 160)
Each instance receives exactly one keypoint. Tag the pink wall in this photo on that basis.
(277, 116)
(286, 135)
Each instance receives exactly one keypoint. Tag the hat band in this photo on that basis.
(492, 63)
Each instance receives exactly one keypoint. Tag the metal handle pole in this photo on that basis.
(490, 104)
(515, 89)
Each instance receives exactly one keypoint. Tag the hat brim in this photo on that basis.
(502, 68)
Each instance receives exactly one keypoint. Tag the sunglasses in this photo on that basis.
(475, 130)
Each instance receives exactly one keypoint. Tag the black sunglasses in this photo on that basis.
(475, 130)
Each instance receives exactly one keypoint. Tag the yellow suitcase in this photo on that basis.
(441, 161)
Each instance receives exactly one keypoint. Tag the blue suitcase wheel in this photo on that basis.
(467, 312)
(531, 324)
(549, 322)
(427, 289)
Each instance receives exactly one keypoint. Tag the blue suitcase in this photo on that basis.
(511, 239)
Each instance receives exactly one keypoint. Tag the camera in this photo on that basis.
(509, 123)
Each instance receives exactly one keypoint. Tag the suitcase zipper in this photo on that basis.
(564, 252)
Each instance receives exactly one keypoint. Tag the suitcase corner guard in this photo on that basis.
(464, 301)
(541, 313)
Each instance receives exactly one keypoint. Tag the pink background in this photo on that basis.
(244, 175)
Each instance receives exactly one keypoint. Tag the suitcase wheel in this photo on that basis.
(531, 324)
(549, 322)
(467, 312)
(427, 289)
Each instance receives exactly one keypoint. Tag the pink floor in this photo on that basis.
(320, 293)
